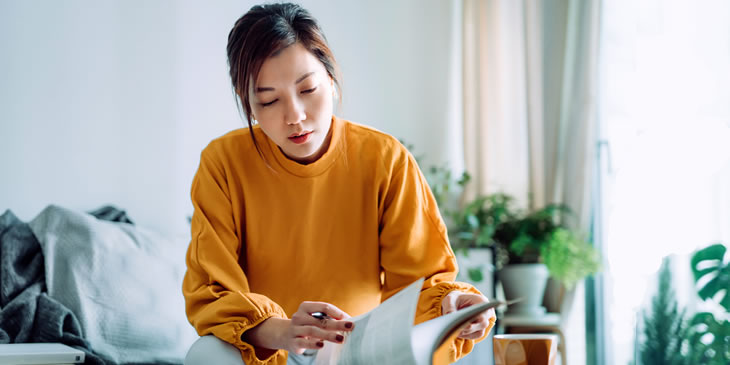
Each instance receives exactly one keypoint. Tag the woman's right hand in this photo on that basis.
(302, 331)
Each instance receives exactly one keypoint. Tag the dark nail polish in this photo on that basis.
(348, 325)
(339, 338)
(320, 344)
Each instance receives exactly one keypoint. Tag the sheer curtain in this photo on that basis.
(529, 106)
(665, 112)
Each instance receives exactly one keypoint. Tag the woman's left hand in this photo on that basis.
(456, 300)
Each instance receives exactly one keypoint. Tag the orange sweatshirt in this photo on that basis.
(350, 229)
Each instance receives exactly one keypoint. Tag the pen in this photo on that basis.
(319, 315)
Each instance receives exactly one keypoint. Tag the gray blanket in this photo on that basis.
(27, 313)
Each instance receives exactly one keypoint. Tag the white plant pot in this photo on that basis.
(526, 281)
(477, 259)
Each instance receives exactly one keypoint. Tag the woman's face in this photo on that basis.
(292, 101)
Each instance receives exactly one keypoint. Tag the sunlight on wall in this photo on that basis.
(665, 87)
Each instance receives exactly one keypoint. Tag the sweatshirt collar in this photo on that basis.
(317, 167)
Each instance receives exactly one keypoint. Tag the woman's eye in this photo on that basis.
(269, 103)
(309, 91)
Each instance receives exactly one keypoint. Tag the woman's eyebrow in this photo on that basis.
(300, 79)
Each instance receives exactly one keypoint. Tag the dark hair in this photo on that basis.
(264, 31)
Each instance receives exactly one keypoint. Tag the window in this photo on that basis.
(664, 109)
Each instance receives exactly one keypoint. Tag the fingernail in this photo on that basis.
(339, 338)
(348, 325)
(320, 344)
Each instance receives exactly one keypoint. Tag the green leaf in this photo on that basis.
(485, 236)
(712, 255)
(569, 258)
(519, 245)
(473, 221)
(475, 275)
(708, 263)
(709, 339)
(464, 179)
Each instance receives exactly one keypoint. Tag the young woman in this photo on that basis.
(304, 212)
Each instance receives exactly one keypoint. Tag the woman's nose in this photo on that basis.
(294, 113)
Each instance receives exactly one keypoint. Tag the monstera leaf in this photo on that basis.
(709, 340)
(708, 263)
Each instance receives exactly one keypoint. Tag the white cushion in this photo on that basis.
(123, 283)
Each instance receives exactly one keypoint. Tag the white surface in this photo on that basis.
(477, 259)
(112, 101)
(39, 353)
(547, 319)
(527, 337)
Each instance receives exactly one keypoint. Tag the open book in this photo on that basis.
(386, 334)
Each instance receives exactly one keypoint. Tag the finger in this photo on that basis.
(334, 325)
(301, 318)
(302, 344)
(448, 304)
(477, 325)
(491, 315)
(472, 336)
(329, 309)
(468, 299)
(313, 332)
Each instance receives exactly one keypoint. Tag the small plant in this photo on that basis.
(702, 340)
(477, 223)
(515, 235)
(523, 237)
(664, 326)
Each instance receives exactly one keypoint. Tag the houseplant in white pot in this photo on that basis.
(488, 234)
(533, 246)
(526, 247)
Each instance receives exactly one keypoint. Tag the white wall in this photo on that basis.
(112, 101)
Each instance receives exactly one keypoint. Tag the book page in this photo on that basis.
(381, 336)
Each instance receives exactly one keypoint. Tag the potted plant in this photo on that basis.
(530, 246)
(527, 247)
(489, 234)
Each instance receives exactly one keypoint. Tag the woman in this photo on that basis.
(305, 212)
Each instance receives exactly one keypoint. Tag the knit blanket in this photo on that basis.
(27, 313)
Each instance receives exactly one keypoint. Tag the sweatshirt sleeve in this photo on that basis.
(414, 244)
(217, 296)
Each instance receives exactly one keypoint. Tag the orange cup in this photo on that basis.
(525, 349)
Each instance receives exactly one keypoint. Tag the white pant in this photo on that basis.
(212, 350)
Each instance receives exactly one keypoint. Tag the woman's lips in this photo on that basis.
(300, 138)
